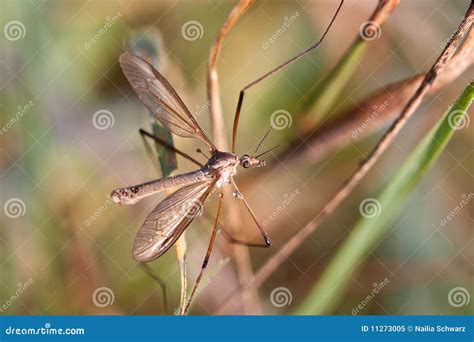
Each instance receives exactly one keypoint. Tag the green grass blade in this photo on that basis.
(330, 89)
(150, 45)
(368, 231)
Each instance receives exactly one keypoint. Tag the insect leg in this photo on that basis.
(208, 254)
(165, 144)
(267, 240)
(231, 239)
(273, 71)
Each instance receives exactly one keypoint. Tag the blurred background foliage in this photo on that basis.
(71, 240)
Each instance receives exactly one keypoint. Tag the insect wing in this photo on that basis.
(160, 98)
(165, 224)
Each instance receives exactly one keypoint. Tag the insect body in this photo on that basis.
(165, 224)
(168, 220)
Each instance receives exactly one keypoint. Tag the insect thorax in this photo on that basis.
(224, 165)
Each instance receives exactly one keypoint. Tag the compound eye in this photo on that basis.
(246, 164)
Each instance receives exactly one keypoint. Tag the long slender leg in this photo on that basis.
(267, 240)
(159, 281)
(208, 253)
(231, 239)
(228, 236)
(144, 134)
(271, 72)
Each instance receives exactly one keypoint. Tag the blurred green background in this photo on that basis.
(70, 135)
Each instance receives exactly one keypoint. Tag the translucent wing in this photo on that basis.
(165, 224)
(161, 99)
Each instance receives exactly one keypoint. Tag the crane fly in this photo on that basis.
(168, 220)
